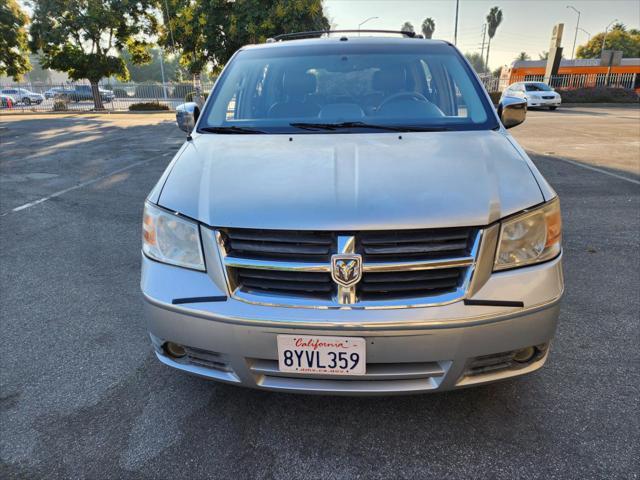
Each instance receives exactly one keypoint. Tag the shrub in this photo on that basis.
(60, 105)
(598, 95)
(146, 106)
(189, 96)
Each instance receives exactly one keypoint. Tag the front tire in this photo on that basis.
(553, 108)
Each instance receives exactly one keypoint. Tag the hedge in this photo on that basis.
(598, 95)
(145, 106)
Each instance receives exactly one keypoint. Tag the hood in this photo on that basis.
(350, 181)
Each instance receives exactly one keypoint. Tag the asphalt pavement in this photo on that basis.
(82, 395)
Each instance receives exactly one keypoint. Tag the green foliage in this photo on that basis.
(428, 27)
(151, 72)
(147, 106)
(210, 31)
(81, 37)
(522, 56)
(476, 61)
(14, 61)
(617, 39)
(598, 95)
(494, 19)
(407, 27)
(61, 105)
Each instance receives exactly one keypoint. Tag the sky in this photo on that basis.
(526, 24)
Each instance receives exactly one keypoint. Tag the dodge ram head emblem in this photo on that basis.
(346, 270)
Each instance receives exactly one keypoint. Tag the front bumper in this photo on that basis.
(543, 102)
(409, 350)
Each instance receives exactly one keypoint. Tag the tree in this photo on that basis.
(254, 21)
(407, 27)
(83, 37)
(617, 39)
(476, 61)
(152, 72)
(494, 19)
(544, 55)
(522, 56)
(210, 31)
(428, 27)
(14, 60)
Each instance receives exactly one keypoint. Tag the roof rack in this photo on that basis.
(318, 33)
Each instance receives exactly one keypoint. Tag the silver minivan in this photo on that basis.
(349, 215)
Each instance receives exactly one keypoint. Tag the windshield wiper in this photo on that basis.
(390, 128)
(230, 129)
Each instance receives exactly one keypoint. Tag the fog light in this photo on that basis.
(174, 350)
(524, 354)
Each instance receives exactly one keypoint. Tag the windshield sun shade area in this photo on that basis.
(292, 89)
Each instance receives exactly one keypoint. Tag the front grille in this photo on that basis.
(415, 244)
(311, 284)
(279, 244)
(412, 266)
(548, 97)
(379, 377)
(207, 359)
(403, 284)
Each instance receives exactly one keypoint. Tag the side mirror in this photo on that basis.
(187, 116)
(512, 111)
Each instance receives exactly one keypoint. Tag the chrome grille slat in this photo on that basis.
(401, 268)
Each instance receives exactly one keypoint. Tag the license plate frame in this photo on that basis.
(322, 355)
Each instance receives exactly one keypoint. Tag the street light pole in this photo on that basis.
(605, 34)
(455, 32)
(365, 21)
(588, 34)
(575, 37)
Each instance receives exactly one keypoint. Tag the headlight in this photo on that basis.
(531, 237)
(169, 238)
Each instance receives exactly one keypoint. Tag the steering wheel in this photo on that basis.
(412, 95)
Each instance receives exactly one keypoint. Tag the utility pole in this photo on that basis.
(575, 37)
(484, 34)
(455, 32)
(605, 33)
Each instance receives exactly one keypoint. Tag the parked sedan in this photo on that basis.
(537, 94)
(84, 92)
(23, 95)
(57, 91)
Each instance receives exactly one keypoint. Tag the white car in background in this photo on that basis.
(23, 95)
(537, 94)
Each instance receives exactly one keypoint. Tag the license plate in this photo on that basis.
(322, 355)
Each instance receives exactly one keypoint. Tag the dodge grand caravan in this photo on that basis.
(349, 215)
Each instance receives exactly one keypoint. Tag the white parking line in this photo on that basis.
(80, 185)
(599, 170)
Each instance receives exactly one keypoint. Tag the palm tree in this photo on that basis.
(428, 27)
(494, 19)
(407, 27)
(523, 56)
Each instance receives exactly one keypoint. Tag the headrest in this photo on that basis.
(389, 80)
(298, 84)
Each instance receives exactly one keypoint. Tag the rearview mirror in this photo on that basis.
(187, 116)
(512, 111)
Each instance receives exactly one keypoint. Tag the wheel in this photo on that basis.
(26, 101)
(552, 108)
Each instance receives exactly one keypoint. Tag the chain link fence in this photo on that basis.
(73, 97)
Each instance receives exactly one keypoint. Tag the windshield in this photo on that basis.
(537, 87)
(356, 88)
